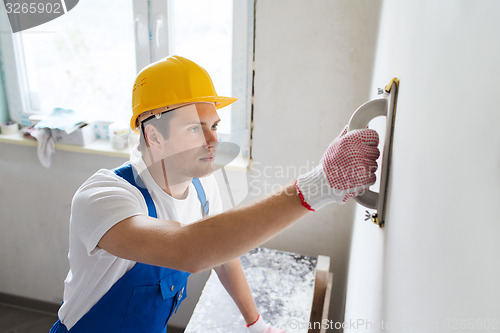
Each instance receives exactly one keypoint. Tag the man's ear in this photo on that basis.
(152, 136)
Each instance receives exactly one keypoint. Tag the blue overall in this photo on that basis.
(145, 297)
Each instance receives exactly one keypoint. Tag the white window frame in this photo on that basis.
(13, 72)
(152, 18)
(242, 71)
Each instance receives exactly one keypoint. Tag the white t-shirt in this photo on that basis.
(102, 201)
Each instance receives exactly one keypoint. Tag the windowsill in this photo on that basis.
(100, 147)
(103, 147)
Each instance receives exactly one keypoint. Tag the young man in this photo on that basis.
(136, 232)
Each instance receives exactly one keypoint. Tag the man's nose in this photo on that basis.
(211, 139)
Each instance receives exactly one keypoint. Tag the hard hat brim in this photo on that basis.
(220, 102)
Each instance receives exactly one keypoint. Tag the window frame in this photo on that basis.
(153, 41)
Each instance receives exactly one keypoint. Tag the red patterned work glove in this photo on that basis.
(347, 169)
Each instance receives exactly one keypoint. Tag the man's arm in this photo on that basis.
(347, 168)
(233, 279)
(200, 246)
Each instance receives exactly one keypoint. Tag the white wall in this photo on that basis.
(313, 67)
(435, 265)
(35, 208)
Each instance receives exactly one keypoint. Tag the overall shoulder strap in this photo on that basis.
(205, 207)
(126, 171)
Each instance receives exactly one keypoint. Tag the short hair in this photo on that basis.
(162, 124)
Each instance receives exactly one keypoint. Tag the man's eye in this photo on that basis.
(195, 129)
(214, 127)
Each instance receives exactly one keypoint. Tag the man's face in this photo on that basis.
(189, 146)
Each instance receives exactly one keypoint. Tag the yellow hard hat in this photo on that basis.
(169, 81)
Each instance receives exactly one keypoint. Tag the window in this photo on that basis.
(84, 60)
(207, 28)
(87, 59)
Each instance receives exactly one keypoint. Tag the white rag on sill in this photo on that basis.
(46, 145)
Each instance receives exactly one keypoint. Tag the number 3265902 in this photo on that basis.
(32, 8)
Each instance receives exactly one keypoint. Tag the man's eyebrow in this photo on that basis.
(201, 122)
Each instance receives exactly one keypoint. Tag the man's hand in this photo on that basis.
(347, 169)
(260, 326)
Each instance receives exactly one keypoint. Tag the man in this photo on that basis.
(136, 232)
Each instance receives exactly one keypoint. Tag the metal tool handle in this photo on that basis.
(359, 120)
